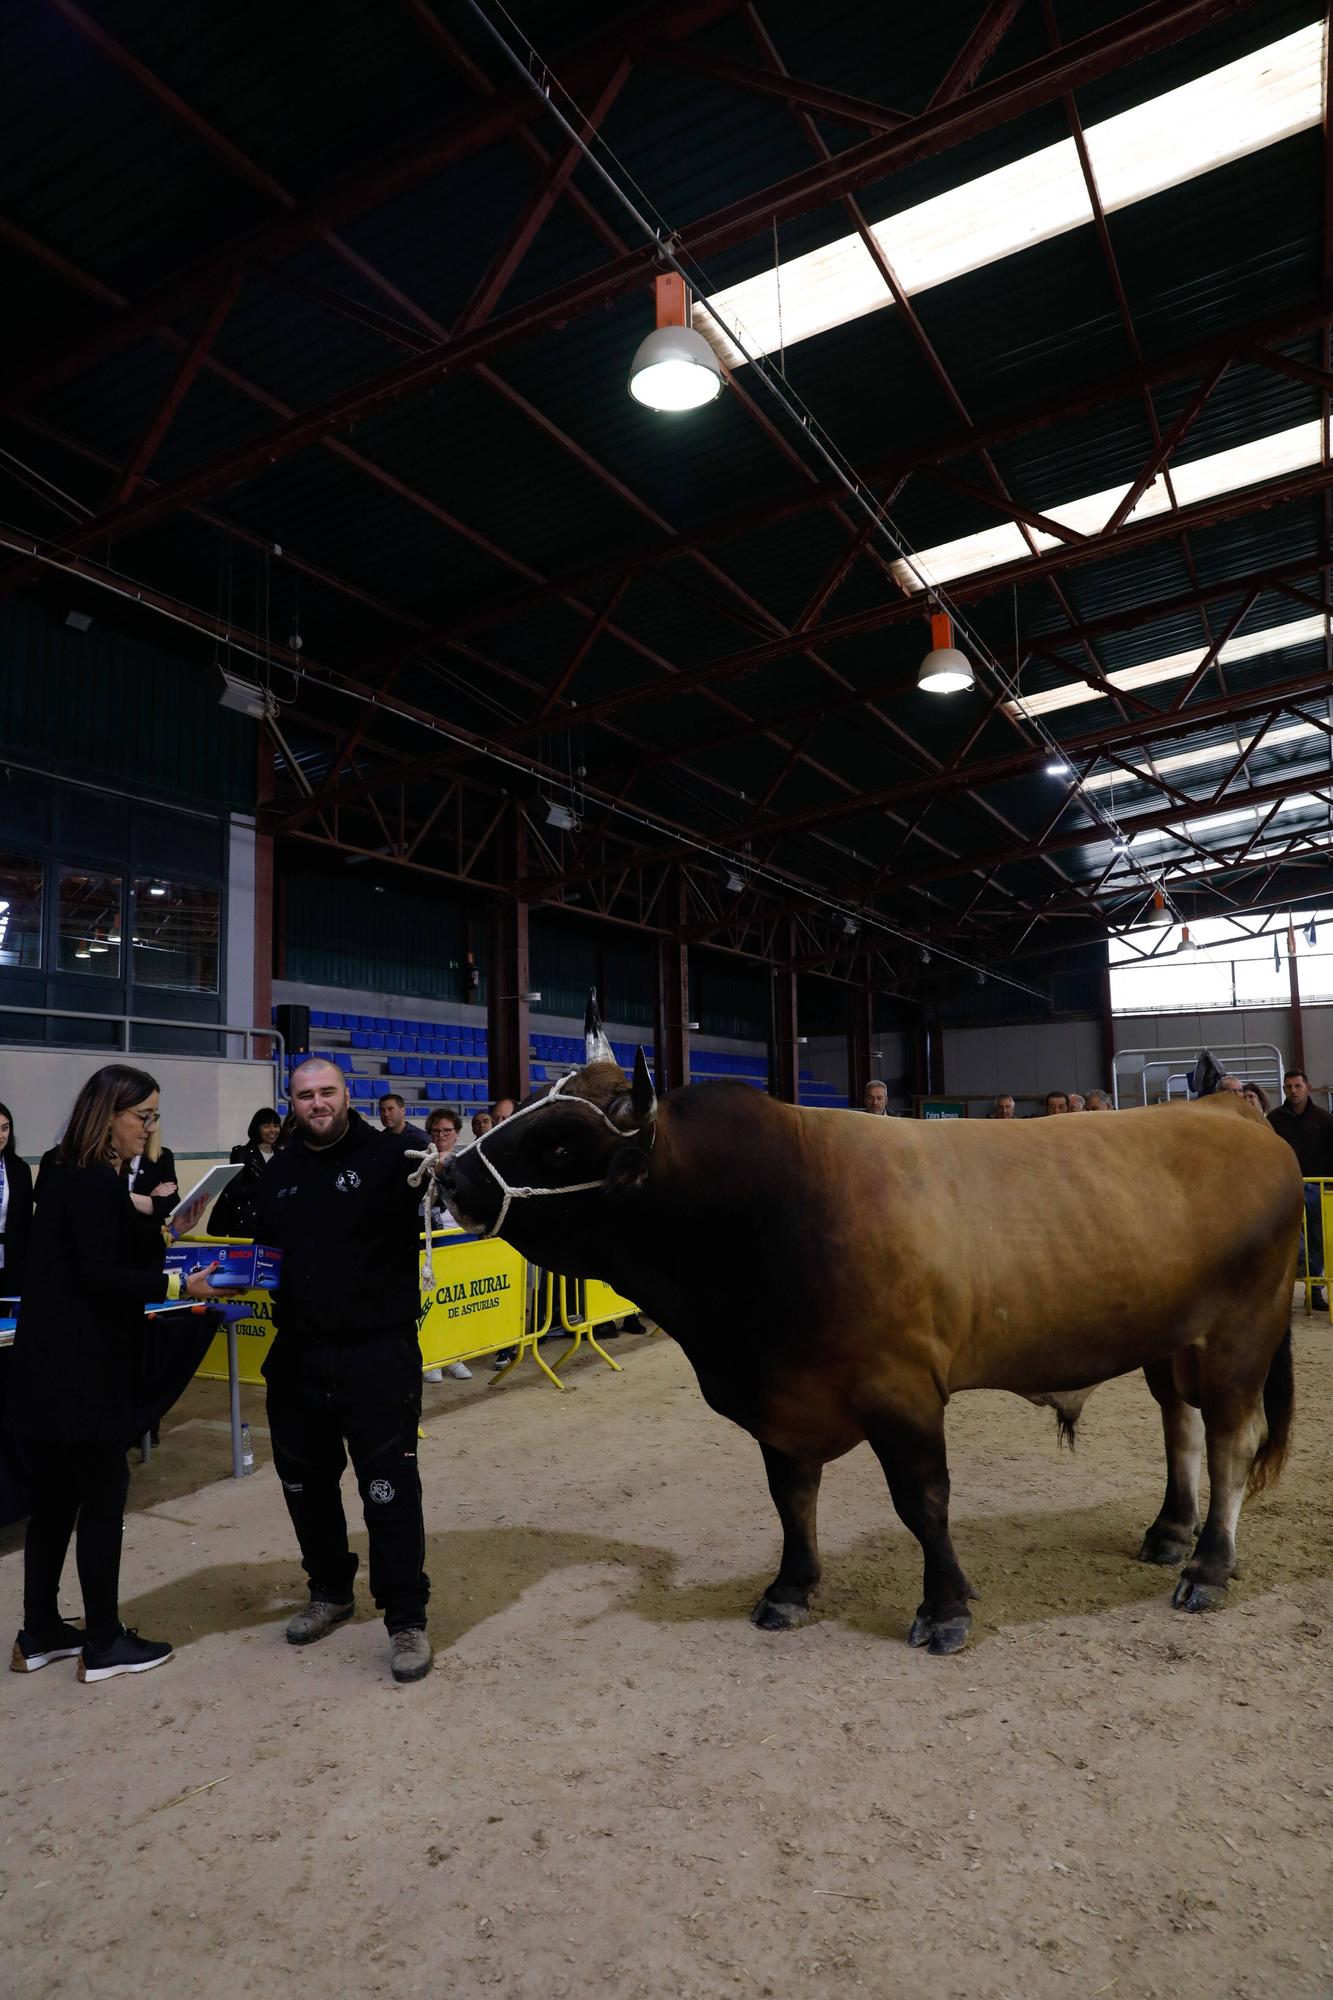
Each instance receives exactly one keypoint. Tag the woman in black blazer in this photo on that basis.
(79, 1363)
(15, 1208)
(234, 1210)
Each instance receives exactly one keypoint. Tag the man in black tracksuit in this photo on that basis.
(344, 1370)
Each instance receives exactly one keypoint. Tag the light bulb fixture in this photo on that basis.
(981, 977)
(98, 944)
(1120, 841)
(1187, 943)
(925, 955)
(735, 881)
(944, 670)
(674, 368)
(850, 927)
(1057, 768)
(157, 888)
(83, 952)
(562, 816)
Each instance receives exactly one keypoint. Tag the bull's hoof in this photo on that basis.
(770, 1616)
(940, 1635)
(1159, 1548)
(1191, 1595)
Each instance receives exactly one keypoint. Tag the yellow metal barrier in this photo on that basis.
(486, 1297)
(1314, 1281)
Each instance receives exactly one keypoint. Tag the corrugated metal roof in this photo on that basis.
(127, 191)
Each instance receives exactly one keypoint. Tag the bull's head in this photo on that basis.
(540, 1178)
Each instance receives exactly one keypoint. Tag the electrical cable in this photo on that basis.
(539, 77)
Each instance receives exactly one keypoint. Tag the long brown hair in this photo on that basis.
(86, 1140)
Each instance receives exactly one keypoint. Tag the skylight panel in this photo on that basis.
(1189, 760)
(1173, 667)
(1233, 111)
(1198, 479)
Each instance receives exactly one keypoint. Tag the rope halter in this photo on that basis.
(510, 1194)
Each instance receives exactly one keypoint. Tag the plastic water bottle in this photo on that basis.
(247, 1451)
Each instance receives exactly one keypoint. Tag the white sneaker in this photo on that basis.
(432, 1375)
(458, 1371)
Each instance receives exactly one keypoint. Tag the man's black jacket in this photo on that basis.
(348, 1226)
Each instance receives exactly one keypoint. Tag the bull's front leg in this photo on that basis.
(794, 1484)
(911, 1451)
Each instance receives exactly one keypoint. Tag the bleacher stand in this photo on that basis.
(439, 1062)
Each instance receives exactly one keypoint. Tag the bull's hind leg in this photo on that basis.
(1171, 1536)
(917, 1470)
(794, 1484)
(1234, 1428)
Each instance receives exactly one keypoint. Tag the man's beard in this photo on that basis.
(336, 1130)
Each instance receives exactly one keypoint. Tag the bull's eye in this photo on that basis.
(559, 1152)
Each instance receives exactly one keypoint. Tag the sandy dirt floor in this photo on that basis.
(613, 1784)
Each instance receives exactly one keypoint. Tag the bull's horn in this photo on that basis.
(636, 1112)
(645, 1097)
(594, 1034)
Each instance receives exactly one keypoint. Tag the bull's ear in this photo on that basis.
(636, 1112)
(627, 1172)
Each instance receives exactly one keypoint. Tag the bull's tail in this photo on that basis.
(1279, 1403)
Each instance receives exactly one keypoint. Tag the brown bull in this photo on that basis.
(835, 1279)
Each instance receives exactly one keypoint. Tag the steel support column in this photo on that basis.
(860, 1041)
(784, 1080)
(508, 1028)
(671, 1023)
(264, 906)
(1294, 982)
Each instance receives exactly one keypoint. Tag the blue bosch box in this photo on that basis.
(251, 1266)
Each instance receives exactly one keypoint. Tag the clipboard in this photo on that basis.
(190, 1211)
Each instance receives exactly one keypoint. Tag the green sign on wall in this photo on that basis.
(943, 1107)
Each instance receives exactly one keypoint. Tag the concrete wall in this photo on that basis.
(1025, 1058)
(206, 1103)
(1030, 1058)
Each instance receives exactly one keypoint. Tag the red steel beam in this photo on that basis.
(1136, 735)
(179, 388)
(977, 50)
(898, 466)
(514, 249)
(1092, 836)
(1133, 536)
(1150, 28)
(371, 186)
(789, 89)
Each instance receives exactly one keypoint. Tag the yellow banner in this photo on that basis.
(478, 1303)
(476, 1306)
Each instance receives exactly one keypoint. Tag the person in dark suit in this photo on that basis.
(234, 1210)
(80, 1362)
(15, 1208)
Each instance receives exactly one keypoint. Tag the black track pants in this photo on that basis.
(324, 1405)
(79, 1489)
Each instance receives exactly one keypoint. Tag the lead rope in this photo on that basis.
(431, 1162)
(431, 1158)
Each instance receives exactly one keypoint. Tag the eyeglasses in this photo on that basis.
(147, 1119)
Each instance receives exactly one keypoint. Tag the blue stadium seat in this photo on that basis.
(360, 1040)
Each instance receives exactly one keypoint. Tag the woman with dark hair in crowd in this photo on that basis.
(15, 1208)
(1256, 1095)
(443, 1128)
(234, 1209)
(79, 1364)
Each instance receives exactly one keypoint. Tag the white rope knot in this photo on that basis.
(432, 1161)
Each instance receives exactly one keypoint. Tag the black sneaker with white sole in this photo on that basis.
(129, 1654)
(32, 1650)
